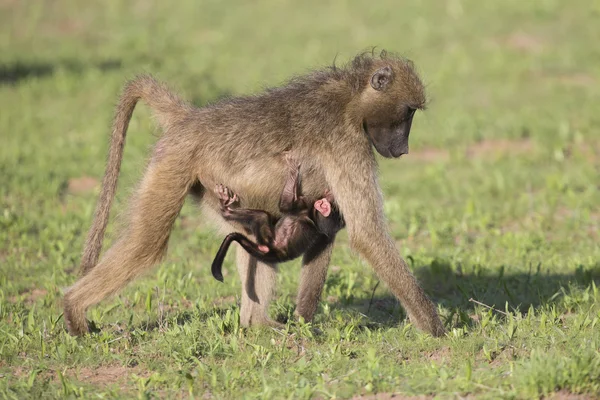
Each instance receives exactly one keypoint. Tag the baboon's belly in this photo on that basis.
(259, 184)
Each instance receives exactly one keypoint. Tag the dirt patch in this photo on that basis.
(70, 27)
(332, 299)
(589, 150)
(106, 375)
(224, 301)
(524, 42)
(577, 79)
(22, 373)
(102, 376)
(31, 296)
(386, 396)
(82, 185)
(439, 355)
(36, 294)
(19, 372)
(566, 395)
(499, 147)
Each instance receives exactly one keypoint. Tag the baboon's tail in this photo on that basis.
(167, 107)
(217, 264)
(249, 246)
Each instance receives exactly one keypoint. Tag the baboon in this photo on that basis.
(328, 120)
(301, 225)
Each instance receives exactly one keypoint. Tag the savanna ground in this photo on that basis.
(499, 202)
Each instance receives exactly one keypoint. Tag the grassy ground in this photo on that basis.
(498, 202)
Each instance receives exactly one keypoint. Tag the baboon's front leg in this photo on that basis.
(312, 279)
(369, 236)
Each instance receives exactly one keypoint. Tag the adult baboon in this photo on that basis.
(279, 239)
(329, 121)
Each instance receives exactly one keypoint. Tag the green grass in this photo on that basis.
(499, 202)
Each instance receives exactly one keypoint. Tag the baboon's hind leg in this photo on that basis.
(143, 243)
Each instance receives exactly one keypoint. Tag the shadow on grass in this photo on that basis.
(455, 289)
(451, 288)
(182, 318)
(13, 73)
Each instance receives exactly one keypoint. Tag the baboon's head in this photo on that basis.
(392, 92)
(326, 215)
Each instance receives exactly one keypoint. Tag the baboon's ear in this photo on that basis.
(382, 78)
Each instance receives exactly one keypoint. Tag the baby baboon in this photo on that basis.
(301, 225)
(329, 120)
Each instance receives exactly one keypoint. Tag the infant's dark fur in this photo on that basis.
(279, 239)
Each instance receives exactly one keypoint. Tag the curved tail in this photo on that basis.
(248, 245)
(217, 264)
(168, 108)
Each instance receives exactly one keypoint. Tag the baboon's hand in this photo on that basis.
(291, 162)
(226, 196)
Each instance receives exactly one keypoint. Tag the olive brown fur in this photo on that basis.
(330, 121)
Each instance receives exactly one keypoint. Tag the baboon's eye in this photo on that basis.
(408, 113)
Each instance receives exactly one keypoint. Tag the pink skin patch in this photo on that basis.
(323, 206)
(263, 248)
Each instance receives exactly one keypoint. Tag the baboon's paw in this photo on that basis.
(75, 327)
(222, 193)
(226, 196)
(291, 161)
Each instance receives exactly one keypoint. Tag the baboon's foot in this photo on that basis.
(435, 327)
(75, 321)
(429, 322)
(226, 196)
(248, 321)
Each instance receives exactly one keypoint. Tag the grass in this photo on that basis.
(497, 204)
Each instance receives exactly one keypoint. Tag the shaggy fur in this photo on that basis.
(328, 121)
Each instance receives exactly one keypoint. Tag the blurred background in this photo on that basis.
(498, 199)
